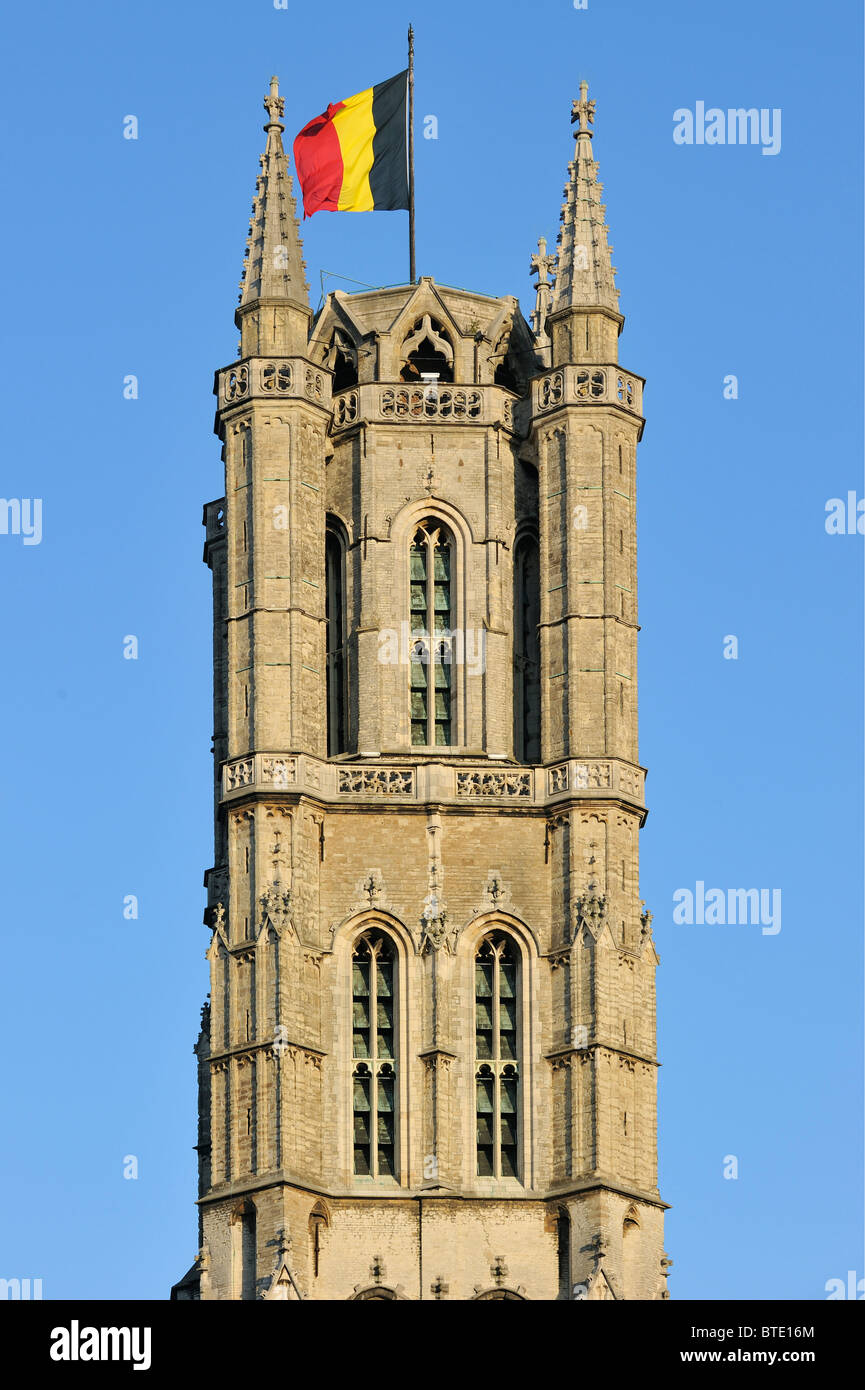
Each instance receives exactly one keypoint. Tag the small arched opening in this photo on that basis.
(427, 353)
(319, 1220)
(243, 1250)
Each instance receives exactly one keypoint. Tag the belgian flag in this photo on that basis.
(352, 158)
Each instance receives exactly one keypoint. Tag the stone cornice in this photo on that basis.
(435, 1056)
(569, 310)
(565, 1055)
(574, 1187)
(246, 1051)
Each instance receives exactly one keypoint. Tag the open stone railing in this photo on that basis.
(589, 385)
(432, 781)
(277, 378)
(444, 403)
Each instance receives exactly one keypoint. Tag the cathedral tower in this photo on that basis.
(427, 1066)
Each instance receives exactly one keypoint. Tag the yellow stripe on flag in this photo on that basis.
(355, 129)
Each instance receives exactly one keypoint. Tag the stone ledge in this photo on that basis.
(575, 1186)
(487, 783)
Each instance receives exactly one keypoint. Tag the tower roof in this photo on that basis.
(584, 275)
(273, 266)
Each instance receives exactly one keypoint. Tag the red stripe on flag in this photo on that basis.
(318, 161)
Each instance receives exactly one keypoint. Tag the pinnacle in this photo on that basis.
(584, 273)
(273, 264)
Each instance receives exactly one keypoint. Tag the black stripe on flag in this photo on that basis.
(388, 177)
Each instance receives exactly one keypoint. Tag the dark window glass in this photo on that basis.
(527, 655)
(431, 605)
(374, 1067)
(336, 644)
(496, 1054)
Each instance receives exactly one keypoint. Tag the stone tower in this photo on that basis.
(427, 1066)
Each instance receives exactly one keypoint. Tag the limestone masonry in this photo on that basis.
(427, 1066)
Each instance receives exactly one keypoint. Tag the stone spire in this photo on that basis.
(584, 275)
(273, 267)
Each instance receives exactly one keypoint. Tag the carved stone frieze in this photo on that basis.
(498, 784)
(376, 781)
(559, 777)
(278, 772)
(239, 774)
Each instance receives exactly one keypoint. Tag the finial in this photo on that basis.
(540, 263)
(274, 104)
(583, 111)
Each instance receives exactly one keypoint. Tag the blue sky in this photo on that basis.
(124, 256)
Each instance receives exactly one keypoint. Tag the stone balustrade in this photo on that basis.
(486, 783)
(441, 402)
(606, 384)
(272, 379)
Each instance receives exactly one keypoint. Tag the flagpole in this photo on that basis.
(411, 264)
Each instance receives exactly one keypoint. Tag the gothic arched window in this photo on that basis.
(318, 1222)
(497, 982)
(427, 353)
(527, 655)
(374, 1104)
(335, 641)
(431, 566)
(506, 372)
(341, 357)
(243, 1251)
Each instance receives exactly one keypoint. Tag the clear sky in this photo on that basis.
(123, 257)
